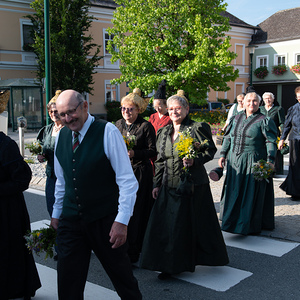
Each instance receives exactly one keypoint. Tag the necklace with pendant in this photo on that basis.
(128, 128)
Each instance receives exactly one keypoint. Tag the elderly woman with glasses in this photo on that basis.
(139, 136)
(292, 128)
(272, 109)
(247, 205)
(46, 137)
(183, 229)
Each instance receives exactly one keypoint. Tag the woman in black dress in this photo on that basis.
(292, 127)
(272, 109)
(133, 125)
(18, 273)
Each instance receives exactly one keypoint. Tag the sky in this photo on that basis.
(254, 12)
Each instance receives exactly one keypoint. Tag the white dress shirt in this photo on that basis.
(230, 113)
(116, 152)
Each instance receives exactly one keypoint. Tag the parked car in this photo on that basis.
(210, 106)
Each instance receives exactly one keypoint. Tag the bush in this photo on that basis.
(113, 111)
(224, 101)
(210, 117)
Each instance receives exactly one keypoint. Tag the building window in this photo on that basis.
(297, 58)
(240, 51)
(262, 61)
(26, 38)
(280, 59)
(107, 37)
(111, 91)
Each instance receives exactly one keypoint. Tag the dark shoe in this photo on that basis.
(295, 198)
(164, 276)
(55, 257)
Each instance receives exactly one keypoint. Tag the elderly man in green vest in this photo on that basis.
(94, 198)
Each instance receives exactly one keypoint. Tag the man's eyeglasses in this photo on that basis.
(130, 109)
(70, 112)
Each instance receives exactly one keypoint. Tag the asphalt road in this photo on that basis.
(266, 276)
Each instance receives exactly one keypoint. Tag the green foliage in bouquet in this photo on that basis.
(262, 170)
(35, 147)
(42, 240)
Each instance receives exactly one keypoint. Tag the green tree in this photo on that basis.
(73, 55)
(182, 41)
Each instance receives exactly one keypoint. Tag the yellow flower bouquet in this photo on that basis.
(35, 148)
(188, 147)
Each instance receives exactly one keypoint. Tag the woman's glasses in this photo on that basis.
(130, 109)
(176, 108)
(53, 112)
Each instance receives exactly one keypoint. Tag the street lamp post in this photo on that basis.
(251, 52)
(47, 55)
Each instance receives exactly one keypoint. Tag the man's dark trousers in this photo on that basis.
(75, 240)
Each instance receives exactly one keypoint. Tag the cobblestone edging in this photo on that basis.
(38, 183)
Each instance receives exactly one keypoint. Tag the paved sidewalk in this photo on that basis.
(287, 212)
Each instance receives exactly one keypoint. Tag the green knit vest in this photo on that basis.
(91, 192)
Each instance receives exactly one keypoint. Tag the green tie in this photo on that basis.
(75, 141)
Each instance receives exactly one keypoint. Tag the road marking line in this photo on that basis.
(48, 291)
(259, 244)
(216, 278)
(39, 224)
(37, 192)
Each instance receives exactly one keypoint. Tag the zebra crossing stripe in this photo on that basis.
(259, 244)
(216, 278)
(48, 291)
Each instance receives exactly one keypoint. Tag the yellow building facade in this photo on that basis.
(15, 62)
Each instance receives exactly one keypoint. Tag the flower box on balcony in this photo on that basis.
(279, 69)
(261, 72)
(295, 69)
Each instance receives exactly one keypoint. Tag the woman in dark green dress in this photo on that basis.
(247, 204)
(183, 229)
(272, 109)
(46, 137)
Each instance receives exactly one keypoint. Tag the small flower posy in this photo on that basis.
(129, 141)
(220, 132)
(34, 147)
(262, 170)
(285, 149)
(41, 240)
